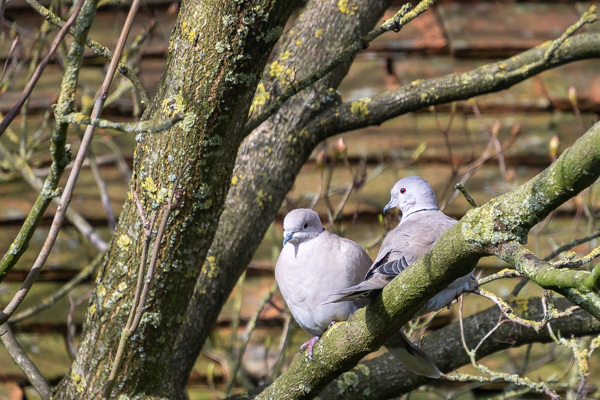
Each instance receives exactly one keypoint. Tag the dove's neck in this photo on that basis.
(416, 210)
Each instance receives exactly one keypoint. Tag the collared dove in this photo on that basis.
(421, 226)
(315, 263)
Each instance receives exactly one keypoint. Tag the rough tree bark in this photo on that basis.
(216, 56)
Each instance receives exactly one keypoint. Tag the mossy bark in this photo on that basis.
(216, 56)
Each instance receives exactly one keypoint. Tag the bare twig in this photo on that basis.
(40, 68)
(49, 301)
(246, 338)
(103, 190)
(71, 328)
(505, 273)
(541, 387)
(148, 126)
(571, 244)
(461, 188)
(24, 362)
(13, 46)
(97, 48)
(493, 149)
(20, 243)
(284, 342)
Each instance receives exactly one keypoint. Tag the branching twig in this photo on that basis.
(49, 301)
(40, 68)
(540, 387)
(97, 48)
(587, 18)
(148, 126)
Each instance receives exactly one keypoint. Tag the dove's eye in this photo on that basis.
(305, 225)
(403, 190)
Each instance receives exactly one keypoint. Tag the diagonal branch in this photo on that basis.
(420, 94)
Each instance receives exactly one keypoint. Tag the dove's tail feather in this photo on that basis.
(363, 290)
(412, 356)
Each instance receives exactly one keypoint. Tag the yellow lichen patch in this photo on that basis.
(149, 186)
(363, 369)
(280, 72)
(318, 33)
(101, 291)
(346, 8)
(276, 69)
(123, 242)
(298, 42)
(80, 382)
(285, 55)
(260, 97)
(173, 105)
(234, 180)
(210, 266)
(359, 107)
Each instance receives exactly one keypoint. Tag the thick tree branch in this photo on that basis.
(402, 17)
(419, 94)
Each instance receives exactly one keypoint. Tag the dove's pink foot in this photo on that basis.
(310, 344)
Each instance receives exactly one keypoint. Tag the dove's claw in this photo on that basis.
(310, 344)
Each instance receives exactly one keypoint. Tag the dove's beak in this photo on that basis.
(287, 236)
(388, 206)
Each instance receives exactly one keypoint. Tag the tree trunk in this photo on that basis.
(217, 53)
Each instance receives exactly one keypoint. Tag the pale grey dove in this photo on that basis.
(421, 226)
(315, 263)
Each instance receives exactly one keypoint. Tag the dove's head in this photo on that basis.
(301, 225)
(411, 194)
